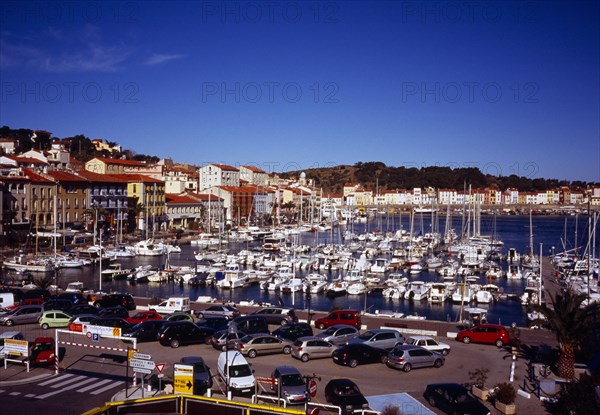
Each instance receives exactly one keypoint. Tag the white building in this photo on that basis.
(213, 175)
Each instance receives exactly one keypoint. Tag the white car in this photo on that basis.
(429, 343)
(14, 335)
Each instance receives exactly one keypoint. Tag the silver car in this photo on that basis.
(22, 315)
(429, 343)
(225, 310)
(407, 356)
(380, 338)
(312, 347)
(339, 334)
(291, 384)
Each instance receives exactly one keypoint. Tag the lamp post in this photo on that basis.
(230, 332)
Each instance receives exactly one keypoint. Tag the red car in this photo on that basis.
(143, 316)
(485, 333)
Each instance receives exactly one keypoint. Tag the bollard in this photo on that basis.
(229, 395)
(209, 393)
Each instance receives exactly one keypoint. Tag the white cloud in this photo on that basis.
(158, 58)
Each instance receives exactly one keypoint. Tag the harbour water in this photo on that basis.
(555, 233)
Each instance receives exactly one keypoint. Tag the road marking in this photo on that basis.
(66, 382)
(56, 379)
(14, 393)
(104, 389)
(2, 390)
(30, 395)
(78, 384)
(48, 394)
(95, 385)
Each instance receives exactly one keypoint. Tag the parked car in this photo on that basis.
(234, 371)
(292, 331)
(13, 335)
(306, 348)
(219, 310)
(83, 318)
(345, 394)
(349, 317)
(21, 315)
(485, 333)
(54, 318)
(37, 293)
(291, 384)
(453, 398)
(117, 311)
(226, 339)
(250, 324)
(429, 343)
(143, 316)
(83, 309)
(274, 315)
(380, 338)
(202, 375)
(180, 333)
(113, 300)
(145, 331)
(255, 344)
(358, 354)
(110, 322)
(339, 334)
(57, 304)
(407, 356)
(180, 317)
(215, 323)
(75, 298)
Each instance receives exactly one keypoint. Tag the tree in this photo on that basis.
(570, 321)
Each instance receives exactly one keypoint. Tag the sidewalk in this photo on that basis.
(16, 374)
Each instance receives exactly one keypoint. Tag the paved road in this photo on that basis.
(91, 376)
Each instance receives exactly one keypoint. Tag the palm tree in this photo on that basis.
(570, 321)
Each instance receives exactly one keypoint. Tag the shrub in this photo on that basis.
(505, 393)
(479, 376)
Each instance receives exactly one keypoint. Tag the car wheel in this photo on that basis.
(445, 352)
(9, 323)
(321, 326)
(287, 350)
(437, 363)
(45, 326)
(224, 348)
(431, 401)
(174, 344)
(407, 367)
(284, 322)
(499, 343)
(252, 354)
(305, 358)
(384, 359)
(200, 315)
(97, 304)
(353, 363)
(466, 340)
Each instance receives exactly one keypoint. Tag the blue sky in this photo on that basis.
(509, 87)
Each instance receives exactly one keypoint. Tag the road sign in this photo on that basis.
(272, 381)
(142, 364)
(183, 378)
(143, 356)
(160, 367)
(16, 347)
(95, 337)
(312, 388)
(141, 370)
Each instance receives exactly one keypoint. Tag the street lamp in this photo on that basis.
(230, 332)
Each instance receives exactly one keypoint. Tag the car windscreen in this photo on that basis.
(239, 371)
(366, 335)
(292, 380)
(246, 339)
(330, 331)
(410, 340)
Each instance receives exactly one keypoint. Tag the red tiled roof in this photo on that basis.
(254, 169)
(134, 177)
(65, 176)
(204, 196)
(36, 178)
(224, 167)
(26, 160)
(180, 199)
(102, 178)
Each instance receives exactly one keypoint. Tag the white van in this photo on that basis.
(241, 378)
(6, 300)
(173, 305)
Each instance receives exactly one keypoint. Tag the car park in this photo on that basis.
(339, 334)
(226, 339)
(181, 333)
(219, 310)
(290, 385)
(143, 316)
(116, 322)
(12, 335)
(57, 304)
(345, 394)
(37, 293)
(145, 331)
(250, 324)
(215, 323)
(254, 344)
(83, 309)
(380, 338)
(485, 333)
(429, 343)
(453, 398)
(173, 305)
(117, 311)
(407, 356)
(274, 315)
(21, 315)
(54, 318)
(180, 317)
(358, 354)
(75, 298)
(83, 318)
(202, 375)
(113, 300)
(235, 372)
(307, 348)
(292, 331)
(349, 317)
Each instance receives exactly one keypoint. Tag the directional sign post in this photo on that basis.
(183, 379)
(142, 364)
(159, 368)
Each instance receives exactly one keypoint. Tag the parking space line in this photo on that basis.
(48, 394)
(78, 384)
(14, 393)
(56, 379)
(68, 381)
(95, 385)
(30, 395)
(104, 389)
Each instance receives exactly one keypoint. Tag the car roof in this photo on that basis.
(383, 331)
(448, 386)
(342, 382)
(191, 359)
(408, 347)
(287, 370)
(420, 337)
(10, 334)
(342, 326)
(308, 338)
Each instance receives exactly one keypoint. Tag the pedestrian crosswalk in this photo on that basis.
(82, 383)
